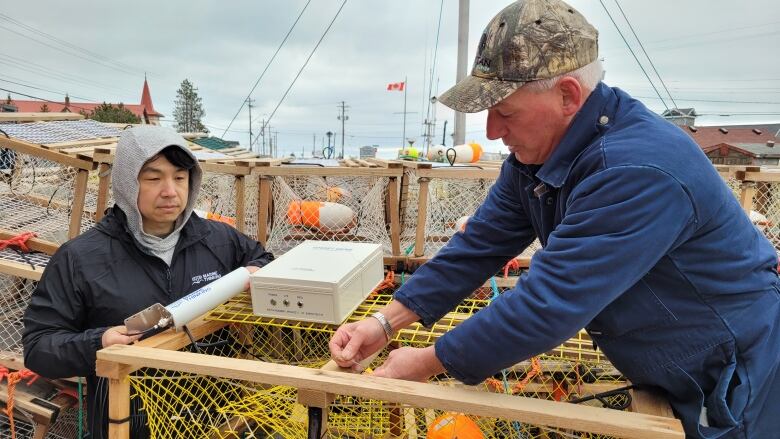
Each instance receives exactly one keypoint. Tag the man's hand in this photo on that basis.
(251, 269)
(117, 335)
(413, 364)
(354, 342)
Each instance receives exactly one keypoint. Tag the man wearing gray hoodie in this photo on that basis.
(148, 249)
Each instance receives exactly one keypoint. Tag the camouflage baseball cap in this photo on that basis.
(527, 41)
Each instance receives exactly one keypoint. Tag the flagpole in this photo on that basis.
(403, 139)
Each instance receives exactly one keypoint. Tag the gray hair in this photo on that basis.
(588, 76)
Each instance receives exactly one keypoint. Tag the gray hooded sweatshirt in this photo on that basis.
(136, 146)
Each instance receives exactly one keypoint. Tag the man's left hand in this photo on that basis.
(413, 364)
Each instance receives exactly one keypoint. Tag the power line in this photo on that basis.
(303, 66)
(715, 101)
(68, 44)
(433, 64)
(645, 52)
(266, 67)
(632, 52)
(66, 51)
(46, 90)
(56, 76)
(41, 99)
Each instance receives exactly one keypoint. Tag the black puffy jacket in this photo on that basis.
(98, 279)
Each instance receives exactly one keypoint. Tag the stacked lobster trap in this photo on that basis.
(437, 201)
(319, 201)
(189, 404)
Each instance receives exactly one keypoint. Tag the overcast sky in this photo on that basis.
(718, 56)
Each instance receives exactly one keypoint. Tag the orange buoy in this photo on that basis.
(454, 426)
(215, 217)
(322, 215)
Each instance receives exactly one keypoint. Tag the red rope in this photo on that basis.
(18, 241)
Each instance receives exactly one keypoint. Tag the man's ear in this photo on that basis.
(571, 94)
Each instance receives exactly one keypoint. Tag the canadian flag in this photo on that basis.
(399, 86)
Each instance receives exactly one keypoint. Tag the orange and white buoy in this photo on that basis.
(468, 153)
(460, 224)
(454, 426)
(322, 215)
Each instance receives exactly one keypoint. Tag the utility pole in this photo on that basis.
(249, 105)
(463, 40)
(262, 134)
(343, 118)
(313, 144)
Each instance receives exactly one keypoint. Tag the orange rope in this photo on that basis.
(386, 284)
(13, 379)
(513, 264)
(18, 240)
(536, 369)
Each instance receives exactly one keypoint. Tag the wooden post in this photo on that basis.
(79, 195)
(747, 195)
(119, 407)
(422, 213)
(240, 203)
(395, 224)
(104, 182)
(263, 209)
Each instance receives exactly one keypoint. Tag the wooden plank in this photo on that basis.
(240, 185)
(747, 195)
(36, 244)
(20, 270)
(527, 410)
(263, 210)
(36, 150)
(104, 182)
(42, 411)
(422, 212)
(459, 173)
(80, 143)
(38, 117)
(286, 171)
(79, 197)
(168, 340)
(650, 402)
(759, 176)
(395, 220)
(219, 168)
(11, 360)
(119, 407)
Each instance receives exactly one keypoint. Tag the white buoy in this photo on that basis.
(436, 153)
(207, 298)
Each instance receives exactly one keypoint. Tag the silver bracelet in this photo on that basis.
(385, 324)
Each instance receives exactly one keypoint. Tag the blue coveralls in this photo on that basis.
(646, 247)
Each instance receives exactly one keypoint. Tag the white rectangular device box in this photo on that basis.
(317, 281)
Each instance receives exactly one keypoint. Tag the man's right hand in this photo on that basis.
(354, 342)
(116, 335)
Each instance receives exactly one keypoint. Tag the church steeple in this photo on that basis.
(150, 113)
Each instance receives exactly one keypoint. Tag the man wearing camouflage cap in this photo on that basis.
(643, 243)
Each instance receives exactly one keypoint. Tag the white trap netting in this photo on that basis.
(218, 200)
(449, 202)
(64, 427)
(348, 208)
(15, 295)
(37, 195)
(765, 214)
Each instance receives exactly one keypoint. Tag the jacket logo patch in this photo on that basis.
(206, 277)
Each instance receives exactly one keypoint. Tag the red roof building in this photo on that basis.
(145, 110)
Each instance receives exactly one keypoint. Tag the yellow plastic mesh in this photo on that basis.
(182, 405)
(37, 195)
(328, 208)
